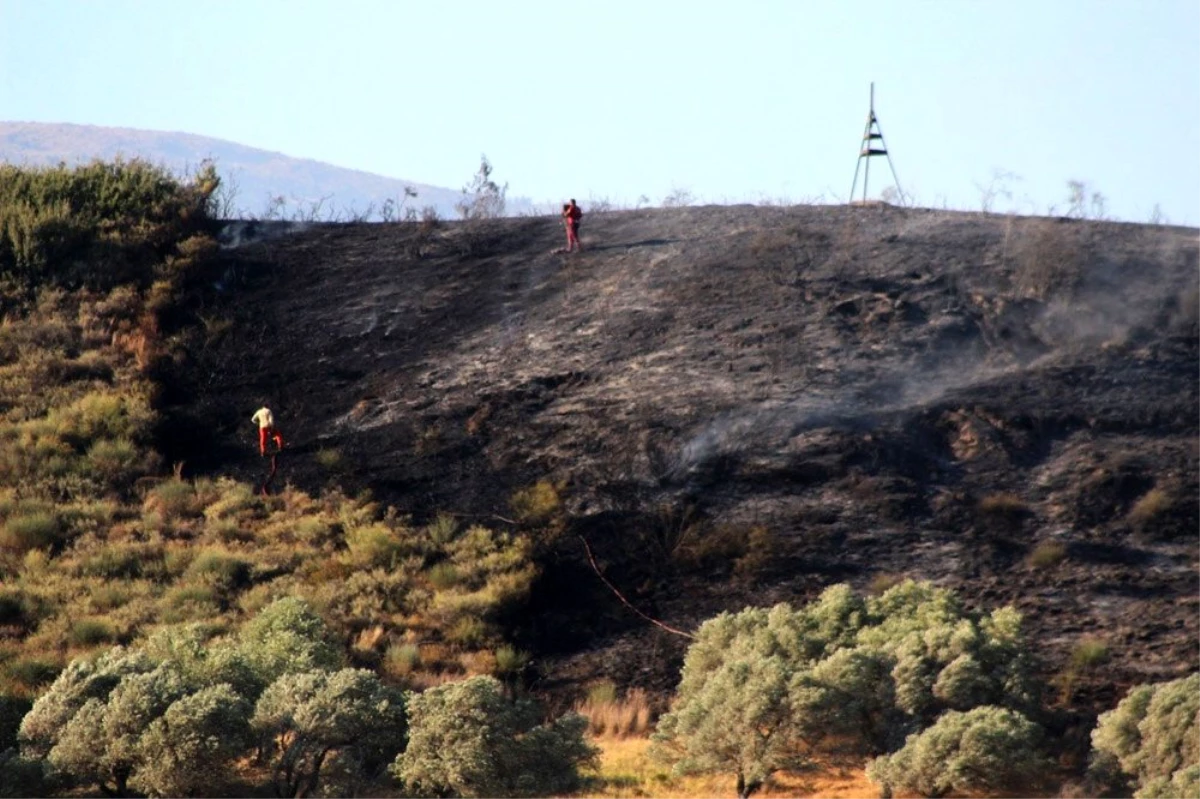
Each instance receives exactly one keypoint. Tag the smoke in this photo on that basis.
(240, 233)
(768, 430)
(1117, 302)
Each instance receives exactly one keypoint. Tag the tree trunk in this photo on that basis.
(746, 789)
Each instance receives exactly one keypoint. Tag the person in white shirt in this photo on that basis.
(266, 429)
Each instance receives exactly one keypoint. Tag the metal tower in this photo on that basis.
(872, 145)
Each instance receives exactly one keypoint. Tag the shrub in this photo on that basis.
(154, 731)
(116, 561)
(329, 459)
(304, 719)
(510, 662)
(1004, 509)
(190, 748)
(172, 499)
(1085, 657)
(374, 545)
(36, 529)
(99, 224)
(287, 637)
(1047, 554)
(219, 569)
(1152, 738)
(469, 739)
(14, 610)
(190, 603)
(114, 461)
(1150, 506)
(91, 632)
(21, 776)
(30, 673)
(443, 576)
(83, 680)
(536, 504)
(401, 660)
(988, 749)
(1049, 259)
(613, 715)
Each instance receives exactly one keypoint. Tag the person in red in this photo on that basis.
(571, 216)
(267, 430)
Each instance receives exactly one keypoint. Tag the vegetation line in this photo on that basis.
(626, 602)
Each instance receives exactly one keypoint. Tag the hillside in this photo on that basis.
(254, 175)
(743, 405)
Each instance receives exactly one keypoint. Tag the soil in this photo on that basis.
(743, 405)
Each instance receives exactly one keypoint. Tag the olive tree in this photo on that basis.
(319, 723)
(762, 688)
(188, 749)
(1183, 784)
(469, 739)
(153, 732)
(287, 637)
(1152, 739)
(82, 680)
(987, 749)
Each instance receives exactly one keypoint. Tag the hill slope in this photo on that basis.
(742, 405)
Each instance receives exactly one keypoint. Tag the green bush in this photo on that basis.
(309, 721)
(172, 499)
(1152, 739)
(115, 462)
(469, 739)
(219, 569)
(120, 561)
(1183, 784)
(83, 680)
(190, 603)
(156, 732)
(985, 750)
(100, 225)
(30, 673)
(35, 529)
(190, 748)
(841, 673)
(91, 632)
(287, 637)
(374, 545)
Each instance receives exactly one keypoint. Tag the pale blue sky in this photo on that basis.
(734, 101)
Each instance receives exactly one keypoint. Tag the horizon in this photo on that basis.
(1010, 100)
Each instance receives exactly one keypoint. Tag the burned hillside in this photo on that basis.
(742, 405)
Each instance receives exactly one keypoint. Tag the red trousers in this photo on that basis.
(572, 233)
(266, 433)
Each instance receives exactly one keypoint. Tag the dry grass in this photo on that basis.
(1003, 505)
(626, 770)
(1048, 259)
(1047, 554)
(1153, 505)
(613, 716)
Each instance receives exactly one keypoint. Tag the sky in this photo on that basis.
(630, 102)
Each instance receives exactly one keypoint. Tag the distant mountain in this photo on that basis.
(259, 177)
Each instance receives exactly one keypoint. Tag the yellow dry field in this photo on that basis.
(626, 771)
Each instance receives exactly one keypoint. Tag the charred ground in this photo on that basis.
(743, 405)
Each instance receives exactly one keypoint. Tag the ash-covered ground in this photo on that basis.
(743, 405)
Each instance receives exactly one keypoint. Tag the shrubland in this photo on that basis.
(170, 635)
(99, 548)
